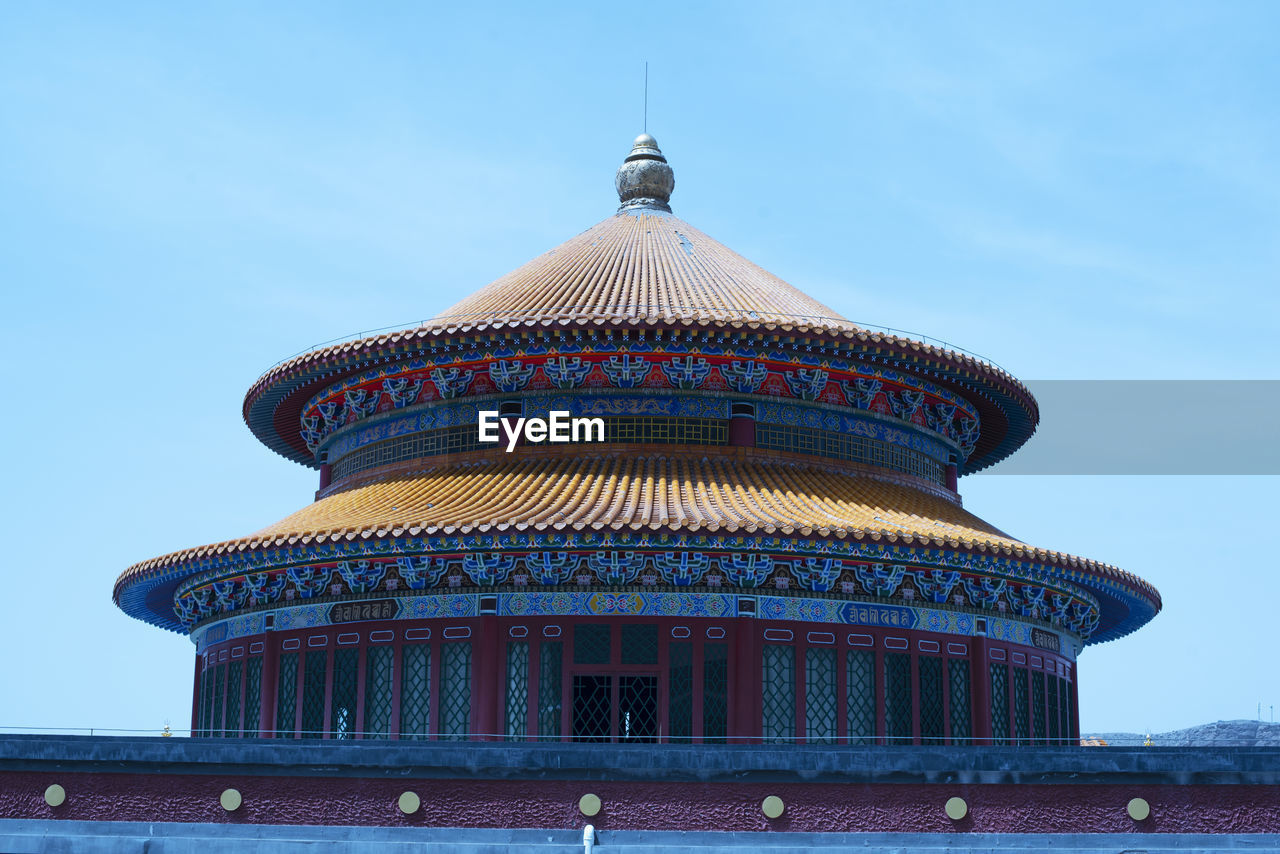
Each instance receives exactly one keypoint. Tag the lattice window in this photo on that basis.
(342, 715)
(455, 690)
(779, 688)
(287, 696)
(639, 643)
(415, 692)
(378, 664)
(860, 695)
(637, 709)
(897, 697)
(999, 703)
(592, 707)
(550, 689)
(252, 697)
(517, 690)
(314, 663)
(219, 688)
(679, 691)
(235, 687)
(1054, 732)
(846, 446)
(961, 716)
(591, 643)
(820, 696)
(1037, 707)
(715, 692)
(661, 431)
(931, 720)
(1021, 709)
(453, 440)
(448, 440)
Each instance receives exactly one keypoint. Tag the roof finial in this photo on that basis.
(644, 179)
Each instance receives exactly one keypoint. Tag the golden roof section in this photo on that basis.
(635, 492)
(641, 265)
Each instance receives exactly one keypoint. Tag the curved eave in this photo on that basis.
(654, 494)
(145, 590)
(273, 406)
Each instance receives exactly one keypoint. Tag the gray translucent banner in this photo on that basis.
(1152, 427)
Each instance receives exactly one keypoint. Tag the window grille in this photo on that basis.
(591, 643)
(415, 691)
(1021, 706)
(679, 691)
(666, 431)
(999, 703)
(252, 697)
(454, 440)
(961, 728)
(846, 446)
(219, 687)
(639, 643)
(342, 715)
(715, 692)
(429, 443)
(517, 690)
(820, 696)
(314, 663)
(287, 696)
(860, 695)
(637, 709)
(550, 689)
(455, 690)
(931, 721)
(377, 691)
(897, 697)
(779, 688)
(592, 707)
(235, 687)
(1037, 708)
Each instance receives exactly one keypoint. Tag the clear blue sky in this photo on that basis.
(1078, 191)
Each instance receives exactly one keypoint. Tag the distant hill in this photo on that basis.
(1217, 734)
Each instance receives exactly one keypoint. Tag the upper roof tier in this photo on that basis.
(643, 268)
(642, 265)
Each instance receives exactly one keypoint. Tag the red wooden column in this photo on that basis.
(916, 731)
(800, 654)
(362, 676)
(486, 664)
(981, 691)
(532, 721)
(745, 687)
(742, 426)
(270, 683)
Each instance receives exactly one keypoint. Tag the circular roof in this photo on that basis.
(643, 268)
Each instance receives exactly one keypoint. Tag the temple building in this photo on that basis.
(756, 537)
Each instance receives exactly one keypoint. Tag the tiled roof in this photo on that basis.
(641, 265)
(632, 492)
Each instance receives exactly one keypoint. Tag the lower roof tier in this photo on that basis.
(643, 501)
